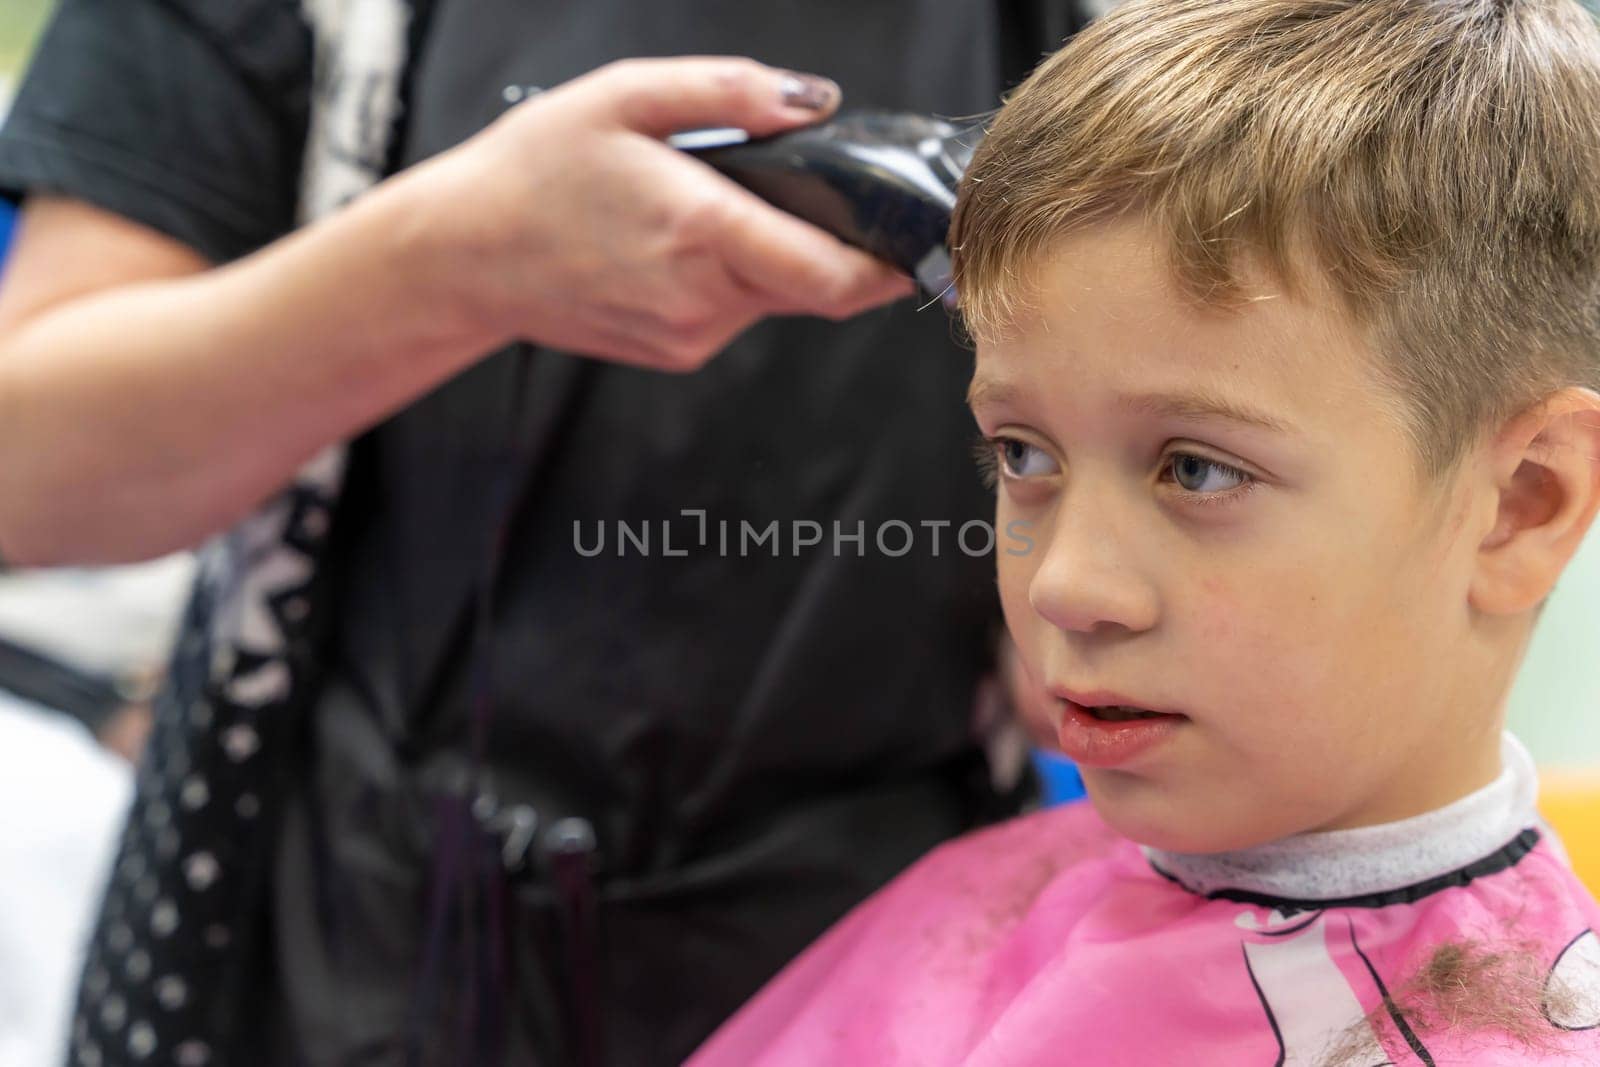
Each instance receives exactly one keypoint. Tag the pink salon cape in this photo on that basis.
(1052, 940)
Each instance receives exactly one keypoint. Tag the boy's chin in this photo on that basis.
(1148, 815)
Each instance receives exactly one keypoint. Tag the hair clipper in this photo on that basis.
(884, 182)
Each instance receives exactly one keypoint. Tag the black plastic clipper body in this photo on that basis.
(884, 182)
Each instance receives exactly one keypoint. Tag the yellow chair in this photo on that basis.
(1569, 799)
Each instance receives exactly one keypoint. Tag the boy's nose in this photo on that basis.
(1088, 578)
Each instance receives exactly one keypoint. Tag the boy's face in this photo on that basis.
(1294, 593)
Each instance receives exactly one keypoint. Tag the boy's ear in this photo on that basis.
(1546, 469)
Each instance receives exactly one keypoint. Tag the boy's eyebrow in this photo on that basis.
(990, 391)
(1200, 404)
(1194, 404)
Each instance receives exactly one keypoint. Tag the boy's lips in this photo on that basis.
(1096, 742)
(1101, 698)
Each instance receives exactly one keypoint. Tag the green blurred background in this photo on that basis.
(1555, 705)
(19, 22)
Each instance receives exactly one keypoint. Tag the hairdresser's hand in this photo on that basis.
(569, 222)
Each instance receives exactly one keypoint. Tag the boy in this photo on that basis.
(1288, 342)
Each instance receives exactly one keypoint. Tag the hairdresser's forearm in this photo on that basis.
(145, 419)
(142, 420)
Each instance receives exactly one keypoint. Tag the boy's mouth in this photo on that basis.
(1122, 713)
(1107, 706)
(1104, 732)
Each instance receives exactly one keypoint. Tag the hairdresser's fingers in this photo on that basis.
(644, 343)
(795, 266)
(709, 310)
(659, 97)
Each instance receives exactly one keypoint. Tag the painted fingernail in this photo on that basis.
(809, 91)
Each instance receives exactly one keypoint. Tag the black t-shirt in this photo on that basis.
(186, 115)
(757, 740)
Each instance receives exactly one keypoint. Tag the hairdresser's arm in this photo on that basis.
(147, 401)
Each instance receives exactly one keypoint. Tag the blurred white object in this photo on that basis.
(63, 797)
(109, 620)
(62, 802)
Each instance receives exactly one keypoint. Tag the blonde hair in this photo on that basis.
(1438, 161)
(1498, 990)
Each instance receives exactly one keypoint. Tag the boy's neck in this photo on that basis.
(1343, 865)
(1472, 758)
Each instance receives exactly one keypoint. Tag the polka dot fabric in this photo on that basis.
(174, 944)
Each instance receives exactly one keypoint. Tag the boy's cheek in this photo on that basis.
(1021, 620)
(1015, 565)
(1246, 619)
(1029, 633)
(1259, 604)
(1240, 638)
(1218, 613)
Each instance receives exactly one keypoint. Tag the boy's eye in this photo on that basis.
(1014, 458)
(1196, 474)
(1022, 460)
